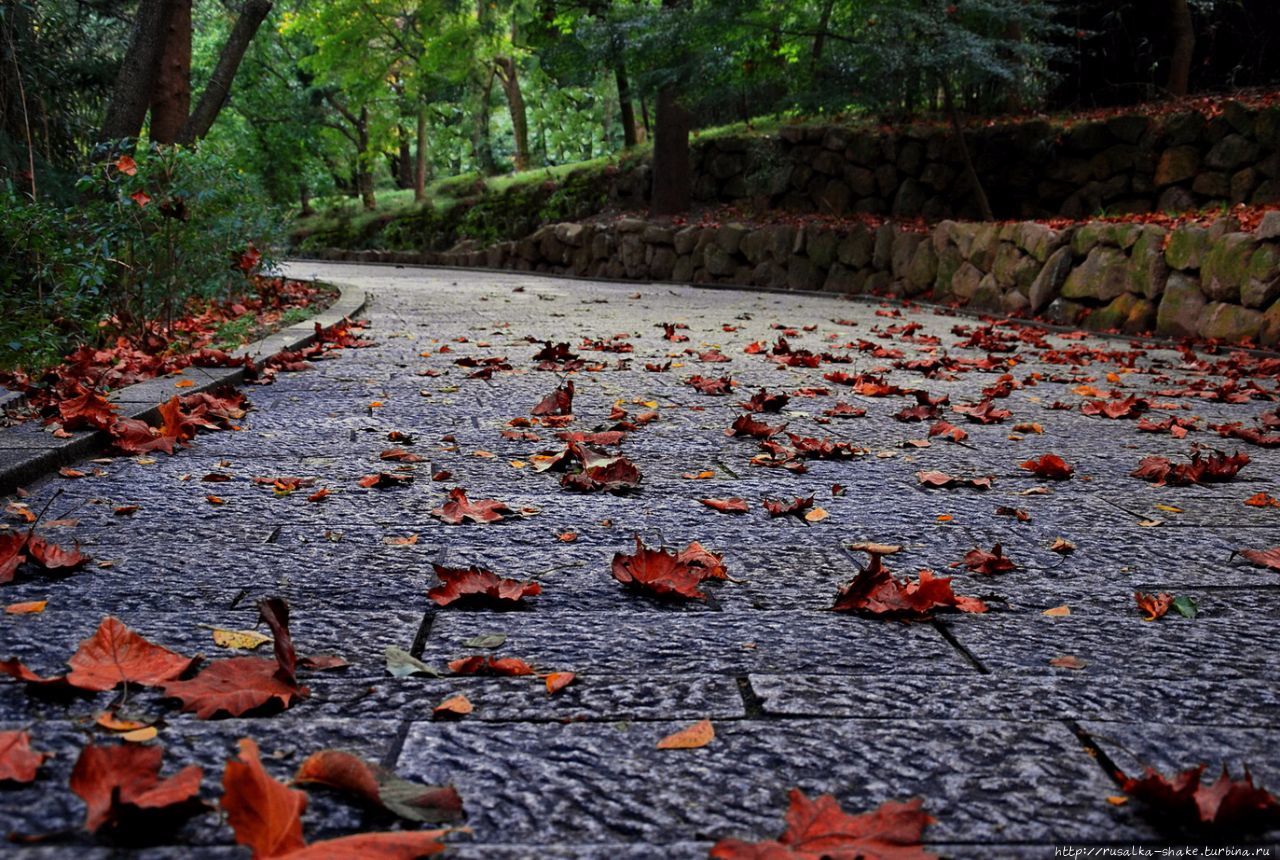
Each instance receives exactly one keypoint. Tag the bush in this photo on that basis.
(151, 232)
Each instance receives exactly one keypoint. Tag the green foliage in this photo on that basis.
(132, 249)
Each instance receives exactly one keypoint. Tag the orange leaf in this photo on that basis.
(18, 762)
(264, 814)
(380, 787)
(557, 681)
(691, 737)
(234, 687)
(31, 607)
(1067, 662)
(116, 655)
(458, 705)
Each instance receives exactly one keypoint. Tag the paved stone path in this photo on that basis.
(1007, 751)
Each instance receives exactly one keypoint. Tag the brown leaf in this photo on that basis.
(819, 829)
(502, 667)
(659, 572)
(875, 592)
(1262, 557)
(459, 509)
(234, 687)
(1230, 807)
(454, 706)
(558, 402)
(795, 507)
(121, 784)
(380, 787)
(477, 586)
(727, 506)
(116, 655)
(995, 561)
(1049, 467)
(18, 762)
(945, 481)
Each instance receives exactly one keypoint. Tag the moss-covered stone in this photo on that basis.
(1103, 276)
(1270, 333)
(1187, 247)
(1230, 322)
(1147, 268)
(923, 268)
(1226, 267)
(1128, 313)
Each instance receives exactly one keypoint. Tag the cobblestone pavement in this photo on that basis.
(1009, 753)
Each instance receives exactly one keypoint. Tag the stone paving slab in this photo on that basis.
(974, 775)
(964, 710)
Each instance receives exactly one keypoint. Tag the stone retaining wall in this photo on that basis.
(1190, 281)
(1124, 164)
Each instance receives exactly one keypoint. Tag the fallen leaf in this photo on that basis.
(459, 509)
(18, 762)
(1049, 467)
(691, 737)
(819, 829)
(1269, 558)
(1067, 662)
(1153, 606)
(454, 706)
(477, 586)
(379, 787)
(875, 592)
(1058, 611)
(501, 667)
(240, 640)
(1062, 546)
(981, 561)
(234, 686)
(816, 515)
(1262, 500)
(796, 507)
(659, 572)
(121, 786)
(116, 655)
(557, 681)
(1230, 807)
(30, 607)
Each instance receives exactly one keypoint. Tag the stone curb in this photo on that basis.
(27, 453)
(968, 313)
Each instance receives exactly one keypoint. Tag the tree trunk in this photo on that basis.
(628, 110)
(135, 81)
(509, 77)
(1184, 46)
(219, 86)
(672, 175)
(820, 36)
(420, 164)
(364, 176)
(979, 193)
(481, 145)
(404, 160)
(171, 94)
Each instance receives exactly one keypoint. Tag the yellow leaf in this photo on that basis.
(184, 383)
(1062, 546)
(241, 640)
(109, 721)
(488, 455)
(406, 540)
(692, 737)
(704, 475)
(1058, 611)
(816, 515)
(140, 735)
(1169, 509)
(1117, 799)
(517, 464)
(31, 607)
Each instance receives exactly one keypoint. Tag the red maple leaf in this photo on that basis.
(477, 586)
(1049, 467)
(13, 546)
(383, 480)
(875, 592)
(727, 506)
(379, 787)
(745, 425)
(844, 410)
(116, 655)
(1153, 606)
(1215, 469)
(985, 412)
(658, 571)
(795, 507)
(460, 509)
(617, 475)
(712, 386)
(121, 786)
(820, 830)
(1131, 407)
(1228, 806)
(1262, 557)
(945, 481)
(88, 410)
(498, 666)
(995, 561)
(234, 686)
(18, 762)
(708, 564)
(763, 401)
(134, 436)
(558, 402)
(266, 816)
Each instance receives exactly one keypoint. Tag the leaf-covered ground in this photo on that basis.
(472, 557)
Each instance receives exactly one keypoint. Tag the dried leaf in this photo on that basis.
(121, 787)
(18, 762)
(479, 587)
(116, 655)
(691, 737)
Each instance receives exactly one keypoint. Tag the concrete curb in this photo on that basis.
(28, 451)
(1154, 341)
